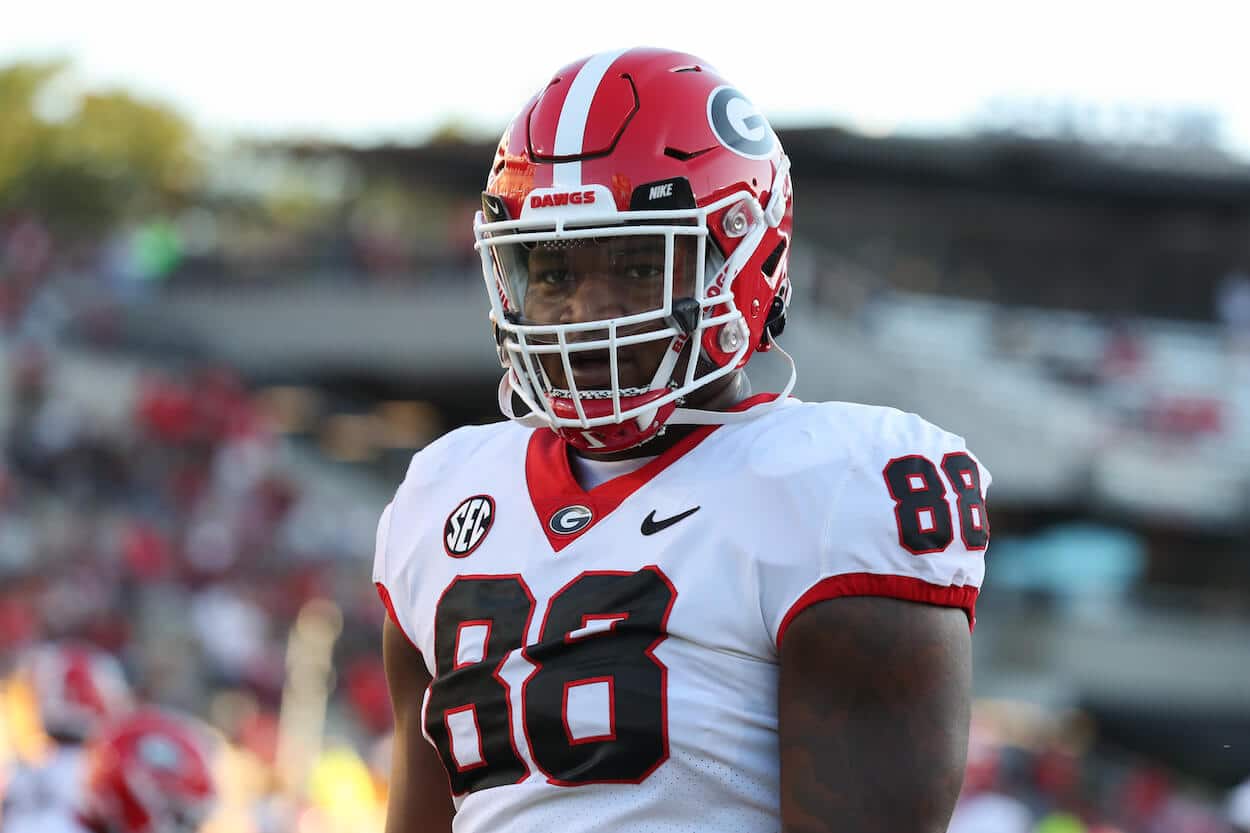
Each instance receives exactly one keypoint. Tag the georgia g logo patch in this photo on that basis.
(739, 125)
(467, 526)
(570, 519)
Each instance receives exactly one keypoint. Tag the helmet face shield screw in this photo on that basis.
(731, 336)
(736, 221)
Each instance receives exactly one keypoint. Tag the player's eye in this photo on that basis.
(553, 278)
(643, 271)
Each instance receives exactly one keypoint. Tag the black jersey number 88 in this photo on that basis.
(920, 507)
(602, 628)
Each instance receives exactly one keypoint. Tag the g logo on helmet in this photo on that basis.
(570, 519)
(739, 125)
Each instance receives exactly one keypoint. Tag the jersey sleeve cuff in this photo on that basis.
(907, 588)
(385, 596)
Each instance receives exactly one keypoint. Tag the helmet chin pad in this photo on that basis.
(608, 439)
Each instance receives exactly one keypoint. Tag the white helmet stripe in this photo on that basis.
(571, 129)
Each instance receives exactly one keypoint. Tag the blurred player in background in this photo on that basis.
(150, 772)
(655, 601)
(74, 689)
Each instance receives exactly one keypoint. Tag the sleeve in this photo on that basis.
(905, 518)
(382, 579)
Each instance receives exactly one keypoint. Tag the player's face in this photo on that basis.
(577, 281)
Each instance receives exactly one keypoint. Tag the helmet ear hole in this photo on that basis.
(769, 266)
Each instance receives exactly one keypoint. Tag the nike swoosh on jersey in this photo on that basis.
(650, 525)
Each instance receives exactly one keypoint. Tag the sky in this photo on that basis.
(365, 70)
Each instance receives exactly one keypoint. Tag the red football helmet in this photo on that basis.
(75, 688)
(610, 307)
(150, 773)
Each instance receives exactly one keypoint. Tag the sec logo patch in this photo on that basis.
(468, 524)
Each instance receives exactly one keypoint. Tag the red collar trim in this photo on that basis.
(553, 487)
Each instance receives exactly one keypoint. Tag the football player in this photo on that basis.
(651, 600)
(150, 772)
(74, 688)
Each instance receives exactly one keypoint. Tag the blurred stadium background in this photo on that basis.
(217, 358)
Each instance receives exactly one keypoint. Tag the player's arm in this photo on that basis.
(874, 707)
(419, 797)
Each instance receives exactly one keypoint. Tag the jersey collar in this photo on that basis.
(553, 487)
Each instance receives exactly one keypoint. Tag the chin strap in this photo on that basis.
(695, 416)
(681, 416)
(530, 420)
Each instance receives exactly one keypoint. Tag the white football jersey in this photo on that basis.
(36, 797)
(607, 659)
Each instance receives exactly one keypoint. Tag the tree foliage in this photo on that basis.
(85, 161)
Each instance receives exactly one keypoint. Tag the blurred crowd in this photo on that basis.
(1032, 771)
(165, 530)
